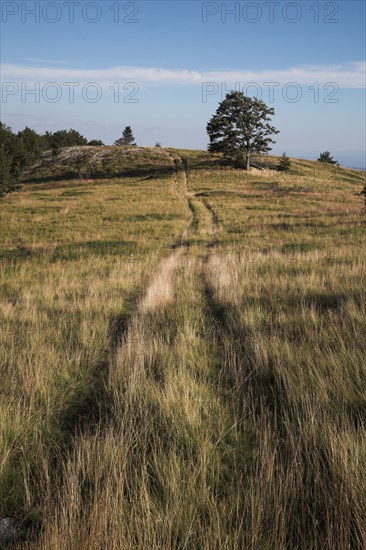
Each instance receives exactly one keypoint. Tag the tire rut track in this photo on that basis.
(197, 226)
(158, 293)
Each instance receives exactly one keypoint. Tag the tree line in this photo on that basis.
(240, 129)
(22, 149)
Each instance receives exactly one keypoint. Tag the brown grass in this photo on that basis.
(212, 396)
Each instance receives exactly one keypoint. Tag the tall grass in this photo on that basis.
(54, 344)
(184, 360)
(296, 356)
(161, 473)
(69, 281)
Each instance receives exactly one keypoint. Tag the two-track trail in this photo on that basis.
(187, 479)
(163, 471)
(204, 224)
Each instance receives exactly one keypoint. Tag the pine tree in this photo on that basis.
(7, 180)
(127, 137)
(284, 163)
(240, 128)
(64, 138)
(13, 159)
(325, 157)
(33, 144)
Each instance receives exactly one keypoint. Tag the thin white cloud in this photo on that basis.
(346, 75)
(48, 61)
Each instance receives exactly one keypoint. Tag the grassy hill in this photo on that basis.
(107, 162)
(183, 353)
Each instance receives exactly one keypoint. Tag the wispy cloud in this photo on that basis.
(47, 61)
(346, 75)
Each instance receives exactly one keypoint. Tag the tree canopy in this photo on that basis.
(64, 138)
(326, 157)
(13, 159)
(127, 137)
(240, 128)
(96, 142)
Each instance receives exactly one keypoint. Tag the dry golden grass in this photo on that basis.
(296, 356)
(184, 360)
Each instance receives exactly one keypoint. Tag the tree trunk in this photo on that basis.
(248, 161)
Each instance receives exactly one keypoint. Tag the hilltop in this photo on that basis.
(109, 161)
(94, 162)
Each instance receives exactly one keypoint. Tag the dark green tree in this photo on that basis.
(33, 144)
(240, 128)
(7, 180)
(284, 163)
(64, 138)
(14, 159)
(96, 142)
(325, 157)
(127, 137)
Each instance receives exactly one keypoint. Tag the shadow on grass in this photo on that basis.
(259, 385)
(87, 408)
(143, 171)
(71, 251)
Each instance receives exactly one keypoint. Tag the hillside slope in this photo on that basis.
(111, 161)
(183, 355)
(105, 162)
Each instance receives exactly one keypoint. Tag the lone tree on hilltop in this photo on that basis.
(127, 137)
(284, 163)
(325, 157)
(240, 128)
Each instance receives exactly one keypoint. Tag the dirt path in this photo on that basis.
(167, 360)
(203, 224)
(172, 362)
(203, 221)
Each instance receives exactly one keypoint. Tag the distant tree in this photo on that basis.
(284, 163)
(33, 144)
(73, 137)
(47, 140)
(127, 137)
(158, 144)
(240, 128)
(325, 157)
(18, 151)
(96, 142)
(14, 158)
(7, 180)
(64, 138)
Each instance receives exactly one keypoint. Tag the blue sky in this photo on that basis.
(172, 62)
